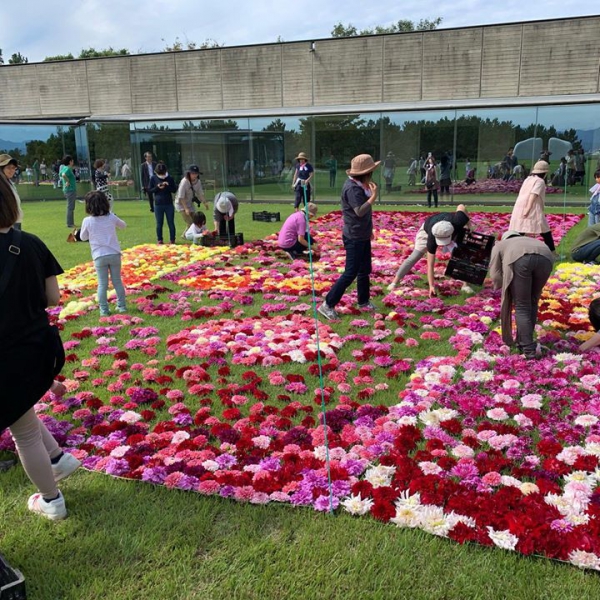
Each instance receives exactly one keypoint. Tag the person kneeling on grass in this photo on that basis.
(442, 229)
(197, 230)
(594, 316)
(294, 238)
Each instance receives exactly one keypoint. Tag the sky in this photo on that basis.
(36, 29)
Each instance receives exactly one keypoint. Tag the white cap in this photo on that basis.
(442, 232)
(224, 205)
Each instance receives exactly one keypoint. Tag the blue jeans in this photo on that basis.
(587, 253)
(358, 266)
(593, 219)
(71, 197)
(160, 212)
(104, 264)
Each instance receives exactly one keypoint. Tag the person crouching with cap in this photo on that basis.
(294, 239)
(359, 194)
(8, 168)
(528, 213)
(520, 265)
(226, 205)
(438, 230)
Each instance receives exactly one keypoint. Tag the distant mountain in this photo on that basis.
(7, 146)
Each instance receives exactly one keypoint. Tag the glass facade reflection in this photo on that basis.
(255, 157)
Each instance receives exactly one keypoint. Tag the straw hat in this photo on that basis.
(362, 164)
(541, 166)
(7, 159)
(312, 209)
(301, 155)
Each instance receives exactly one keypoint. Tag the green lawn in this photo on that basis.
(128, 540)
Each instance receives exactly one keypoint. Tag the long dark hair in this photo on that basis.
(9, 208)
(97, 204)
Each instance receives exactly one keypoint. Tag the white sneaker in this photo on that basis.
(54, 510)
(65, 466)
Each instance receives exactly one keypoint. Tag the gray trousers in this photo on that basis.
(71, 197)
(530, 273)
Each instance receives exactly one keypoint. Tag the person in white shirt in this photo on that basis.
(100, 229)
(197, 230)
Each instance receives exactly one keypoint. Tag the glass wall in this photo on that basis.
(255, 157)
(38, 148)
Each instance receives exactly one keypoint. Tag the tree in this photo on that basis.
(1, 59)
(178, 45)
(93, 53)
(18, 59)
(59, 57)
(403, 25)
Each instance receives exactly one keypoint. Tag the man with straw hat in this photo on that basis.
(359, 194)
(301, 182)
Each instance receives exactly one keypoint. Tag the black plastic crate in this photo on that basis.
(470, 260)
(237, 239)
(269, 217)
(12, 582)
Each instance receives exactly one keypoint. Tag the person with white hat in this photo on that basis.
(359, 194)
(520, 265)
(443, 229)
(225, 208)
(528, 213)
(301, 182)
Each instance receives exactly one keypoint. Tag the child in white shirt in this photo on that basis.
(100, 228)
(197, 229)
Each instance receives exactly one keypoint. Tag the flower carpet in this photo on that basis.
(492, 186)
(416, 414)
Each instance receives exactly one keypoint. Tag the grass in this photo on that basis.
(128, 540)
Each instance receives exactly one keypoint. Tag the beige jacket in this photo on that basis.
(504, 255)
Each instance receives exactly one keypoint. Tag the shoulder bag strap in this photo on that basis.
(14, 250)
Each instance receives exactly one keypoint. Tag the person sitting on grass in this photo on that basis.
(438, 230)
(294, 238)
(197, 230)
(594, 316)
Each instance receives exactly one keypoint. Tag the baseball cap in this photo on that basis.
(442, 232)
(509, 234)
(194, 169)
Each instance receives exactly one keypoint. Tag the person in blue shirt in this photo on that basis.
(302, 178)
